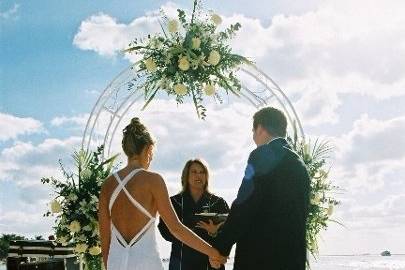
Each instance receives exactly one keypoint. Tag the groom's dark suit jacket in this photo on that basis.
(267, 220)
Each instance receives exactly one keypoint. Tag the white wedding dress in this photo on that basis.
(141, 252)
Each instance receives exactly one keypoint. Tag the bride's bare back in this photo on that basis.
(128, 219)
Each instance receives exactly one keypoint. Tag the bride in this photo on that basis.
(129, 202)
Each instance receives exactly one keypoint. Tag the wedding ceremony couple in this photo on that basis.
(267, 220)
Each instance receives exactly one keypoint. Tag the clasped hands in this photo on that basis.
(216, 259)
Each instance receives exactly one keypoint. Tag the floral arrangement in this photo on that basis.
(190, 58)
(76, 204)
(322, 202)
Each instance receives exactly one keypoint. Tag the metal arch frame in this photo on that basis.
(121, 105)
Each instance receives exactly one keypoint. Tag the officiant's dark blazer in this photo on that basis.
(267, 220)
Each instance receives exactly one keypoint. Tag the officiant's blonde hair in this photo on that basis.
(186, 172)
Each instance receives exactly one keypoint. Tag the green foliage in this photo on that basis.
(207, 59)
(315, 156)
(5, 243)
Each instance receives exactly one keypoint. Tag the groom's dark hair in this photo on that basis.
(271, 119)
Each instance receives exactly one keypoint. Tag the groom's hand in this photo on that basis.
(214, 264)
(216, 259)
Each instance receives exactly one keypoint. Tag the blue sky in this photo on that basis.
(339, 62)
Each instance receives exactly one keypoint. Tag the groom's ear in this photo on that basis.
(259, 129)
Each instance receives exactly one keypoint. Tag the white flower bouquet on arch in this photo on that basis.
(190, 58)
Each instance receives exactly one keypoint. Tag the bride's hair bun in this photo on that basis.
(135, 137)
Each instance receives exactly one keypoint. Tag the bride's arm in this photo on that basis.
(181, 232)
(104, 224)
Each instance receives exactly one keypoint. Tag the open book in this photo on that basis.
(215, 217)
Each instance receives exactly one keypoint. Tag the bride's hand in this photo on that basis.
(214, 264)
(216, 259)
(210, 227)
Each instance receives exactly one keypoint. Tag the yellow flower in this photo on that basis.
(55, 206)
(74, 226)
(214, 57)
(173, 26)
(62, 240)
(216, 19)
(180, 89)
(209, 89)
(72, 197)
(95, 250)
(315, 200)
(81, 248)
(150, 64)
(195, 43)
(85, 174)
(184, 64)
(330, 210)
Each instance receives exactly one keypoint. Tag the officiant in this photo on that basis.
(194, 198)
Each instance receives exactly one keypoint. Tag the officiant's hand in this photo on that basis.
(210, 227)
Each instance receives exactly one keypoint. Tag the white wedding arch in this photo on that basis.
(121, 94)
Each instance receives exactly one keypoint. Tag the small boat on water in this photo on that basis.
(385, 253)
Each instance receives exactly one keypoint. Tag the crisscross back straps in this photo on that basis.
(121, 186)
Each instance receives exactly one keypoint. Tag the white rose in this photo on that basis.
(80, 248)
(74, 226)
(87, 228)
(150, 64)
(55, 206)
(63, 241)
(173, 26)
(184, 64)
(330, 210)
(313, 245)
(180, 89)
(195, 43)
(315, 200)
(85, 174)
(214, 58)
(72, 197)
(216, 19)
(209, 89)
(81, 238)
(95, 250)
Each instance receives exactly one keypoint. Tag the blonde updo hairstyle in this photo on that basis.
(135, 138)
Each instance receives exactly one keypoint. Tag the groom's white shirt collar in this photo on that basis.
(273, 139)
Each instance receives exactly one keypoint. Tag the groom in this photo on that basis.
(267, 220)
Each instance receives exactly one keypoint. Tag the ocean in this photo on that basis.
(368, 262)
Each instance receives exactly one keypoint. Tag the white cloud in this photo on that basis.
(25, 163)
(368, 166)
(75, 121)
(27, 221)
(104, 35)
(12, 126)
(10, 13)
(373, 140)
(318, 106)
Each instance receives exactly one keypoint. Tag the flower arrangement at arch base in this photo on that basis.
(190, 58)
(322, 202)
(76, 205)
